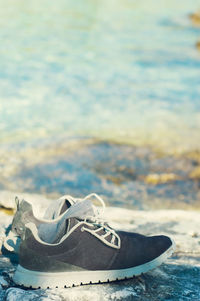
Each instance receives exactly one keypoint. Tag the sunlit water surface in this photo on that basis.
(121, 70)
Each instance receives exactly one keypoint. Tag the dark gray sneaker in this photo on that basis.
(90, 251)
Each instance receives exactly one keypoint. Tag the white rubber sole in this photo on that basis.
(45, 280)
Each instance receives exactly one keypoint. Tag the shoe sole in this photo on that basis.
(34, 279)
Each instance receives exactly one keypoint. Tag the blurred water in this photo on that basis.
(123, 70)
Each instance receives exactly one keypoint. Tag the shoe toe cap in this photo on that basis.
(157, 245)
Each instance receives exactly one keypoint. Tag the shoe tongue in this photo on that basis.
(65, 224)
(54, 232)
(71, 216)
(55, 209)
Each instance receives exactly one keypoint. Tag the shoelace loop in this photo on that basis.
(101, 225)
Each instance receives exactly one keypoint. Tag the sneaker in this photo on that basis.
(56, 212)
(90, 251)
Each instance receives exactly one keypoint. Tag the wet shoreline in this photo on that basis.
(125, 175)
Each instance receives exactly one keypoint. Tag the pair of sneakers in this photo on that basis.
(72, 246)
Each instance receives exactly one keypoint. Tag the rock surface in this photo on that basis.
(177, 279)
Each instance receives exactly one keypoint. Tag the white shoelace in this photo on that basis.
(100, 223)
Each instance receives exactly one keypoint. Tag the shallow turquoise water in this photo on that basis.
(123, 70)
